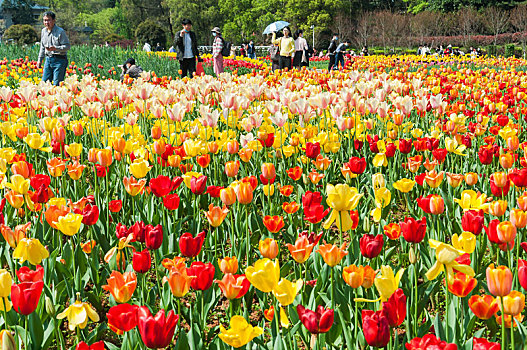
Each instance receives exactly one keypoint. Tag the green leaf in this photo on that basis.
(36, 331)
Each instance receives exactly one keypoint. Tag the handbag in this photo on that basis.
(274, 53)
(304, 57)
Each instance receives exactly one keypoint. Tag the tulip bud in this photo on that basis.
(366, 225)
(50, 308)
(412, 256)
(7, 341)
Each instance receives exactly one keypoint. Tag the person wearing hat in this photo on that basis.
(187, 49)
(217, 47)
(129, 68)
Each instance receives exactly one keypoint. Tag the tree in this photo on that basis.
(519, 22)
(497, 21)
(21, 34)
(468, 22)
(150, 32)
(20, 10)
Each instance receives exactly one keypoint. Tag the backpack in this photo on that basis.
(226, 50)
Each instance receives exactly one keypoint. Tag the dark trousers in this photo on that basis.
(285, 62)
(339, 58)
(187, 66)
(55, 69)
(331, 62)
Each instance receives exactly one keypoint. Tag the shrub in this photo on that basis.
(491, 50)
(510, 50)
(21, 34)
(150, 32)
(111, 38)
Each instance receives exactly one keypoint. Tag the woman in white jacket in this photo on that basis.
(300, 58)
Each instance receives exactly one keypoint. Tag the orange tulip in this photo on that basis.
(392, 231)
(121, 286)
(369, 277)
(295, 173)
(228, 196)
(203, 160)
(471, 178)
(269, 313)
(177, 263)
(499, 280)
(233, 147)
(216, 215)
(301, 250)
(513, 303)
(56, 166)
(104, 157)
(132, 186)
(232, 168)
(286, 190)
(92, 155)
(179, 282)
(228, 264)
(461, 285)
(12, 238)
(53, 213)
(500, 179)
(15, 199)
(522, 202)
(321, 163)
(437, 205)
(414, 163)
(245, 154)
(273, 223)
(434, 179)
(506, 231)
(119, 144)
(268, 248)
(232, 286)
(507, 160)
(244, 193)
(268, 171)
(484, 307)
(430, 165)
(290, 208)
(21, 168)
(332, 254)
(353, 275)
(508, 320)
(454, 180)
(498, 208)
(75, 170)
(87, 247)
(518, 218)
(213, 147)
(315, 177)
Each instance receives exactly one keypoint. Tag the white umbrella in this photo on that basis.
(275, 27)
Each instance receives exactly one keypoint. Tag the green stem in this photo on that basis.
(416, 321)
(502, 324)
(332, 290)
(446, 306)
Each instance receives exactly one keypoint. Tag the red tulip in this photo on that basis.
(440, 154)
(370, 245)
(268, 140)
(319, 321)
(25, 274)
(413, 230)
(141, 261)
(204, 275)
(311, 236)
(499, 191)
(161, 185)
(40, 180)
(95, 346)
(90, 214)
(214, 191)
(424, 203)
(122, 318)
(376, 328)
(156, 331)
(191, 246)
(312, 150)
(100, 170)
(273, 223)
(429, 341)
(153, 236)
(115, 206)
(41, 195)
(198, 185)
(313, 210)
(25, 296)
(138, 230)
(405, 146)
(171, 201)
(485, 154)
(484, 344)
(519, 177)
(357, 165)
(472, 221)
(395, 308)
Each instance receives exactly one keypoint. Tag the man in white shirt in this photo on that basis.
(54, 45)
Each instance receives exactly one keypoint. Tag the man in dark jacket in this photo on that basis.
(331, 51)
(187, 49)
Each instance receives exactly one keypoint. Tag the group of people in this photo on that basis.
(289, 50)
(336, 52)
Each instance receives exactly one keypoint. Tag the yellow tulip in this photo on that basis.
(34, 140)
(78, 314)
(69, 224)
(383, 197)
(264, 275)
(342, 199)
(139, 168)
(188, 176)
(445, 258)
(240, 333)
(30, 249)
(5, 290)
(404, 185)
(378, 181)
(18, 184)
(286, 291)
(268, 190)
(472, 200)
(387, 283)
(465, 242)
(284, 320)
(74, 149)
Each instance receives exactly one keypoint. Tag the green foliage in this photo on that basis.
(110, 38)
(21, 34)
(491, 50)
(150, 32)
(510, 50)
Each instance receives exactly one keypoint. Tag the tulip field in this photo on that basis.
(381, 206)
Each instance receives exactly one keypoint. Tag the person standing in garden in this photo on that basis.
(187, 49)
(251, 50)
(54, 45)
(331, 51)
(300, 58)
(287, 48)
(217, 47)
